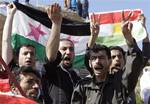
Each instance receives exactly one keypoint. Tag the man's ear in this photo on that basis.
(109, 64)
(90, 64)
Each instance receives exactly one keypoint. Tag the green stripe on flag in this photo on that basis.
(79, 62)
(18, 40)
(117, 39)
(111, 40)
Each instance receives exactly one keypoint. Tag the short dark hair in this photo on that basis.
(98, 47)
(28, 69)
(24, 45)
(65, 39)
(119, 49)
(24, 70)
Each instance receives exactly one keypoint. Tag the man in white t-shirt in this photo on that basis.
(145, 85)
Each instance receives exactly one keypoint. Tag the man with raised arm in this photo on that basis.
(25, 54)
(24, 57)
(105, 88)
(59, 78)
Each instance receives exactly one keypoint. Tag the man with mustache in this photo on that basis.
(30, 82)
(59, 78)
(105, 88)
(118, 59)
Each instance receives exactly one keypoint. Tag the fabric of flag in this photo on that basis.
(4, 85)
(6, 96)
(9, 98)
(33, 26)
(110, 27)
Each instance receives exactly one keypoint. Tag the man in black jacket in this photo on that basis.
(59, 78)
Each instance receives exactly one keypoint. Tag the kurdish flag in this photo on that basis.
(110, 27)
(33, 26)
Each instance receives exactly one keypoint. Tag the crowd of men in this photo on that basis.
(113, 72)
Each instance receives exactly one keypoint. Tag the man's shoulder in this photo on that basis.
(85, 81)
(53, 63)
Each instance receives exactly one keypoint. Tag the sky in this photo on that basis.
(106, 5)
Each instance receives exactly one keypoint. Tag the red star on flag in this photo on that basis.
(36, 31)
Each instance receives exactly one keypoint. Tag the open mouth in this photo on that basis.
(117, 66)
(28, 62)
(67, 59)
(99, 70)
(99, 67)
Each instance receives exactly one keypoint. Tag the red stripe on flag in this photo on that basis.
(7, 99)
(4, 85)
(116, 17)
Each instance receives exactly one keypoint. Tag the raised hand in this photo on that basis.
(94, 25)
(11, 9)
(54, 13)
(7, 50)
(94, 28)
(127, 28)
(142, 19)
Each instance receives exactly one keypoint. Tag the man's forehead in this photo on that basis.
(101, 52)
(115, 51)
(27, 48)
(66, 43)
(29, 76)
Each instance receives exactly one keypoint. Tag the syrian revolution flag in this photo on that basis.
(33, 26)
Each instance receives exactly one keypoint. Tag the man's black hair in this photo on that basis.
(25, 70)
(97, 47)
(28, 69)
(119, 49)
(24, 45)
